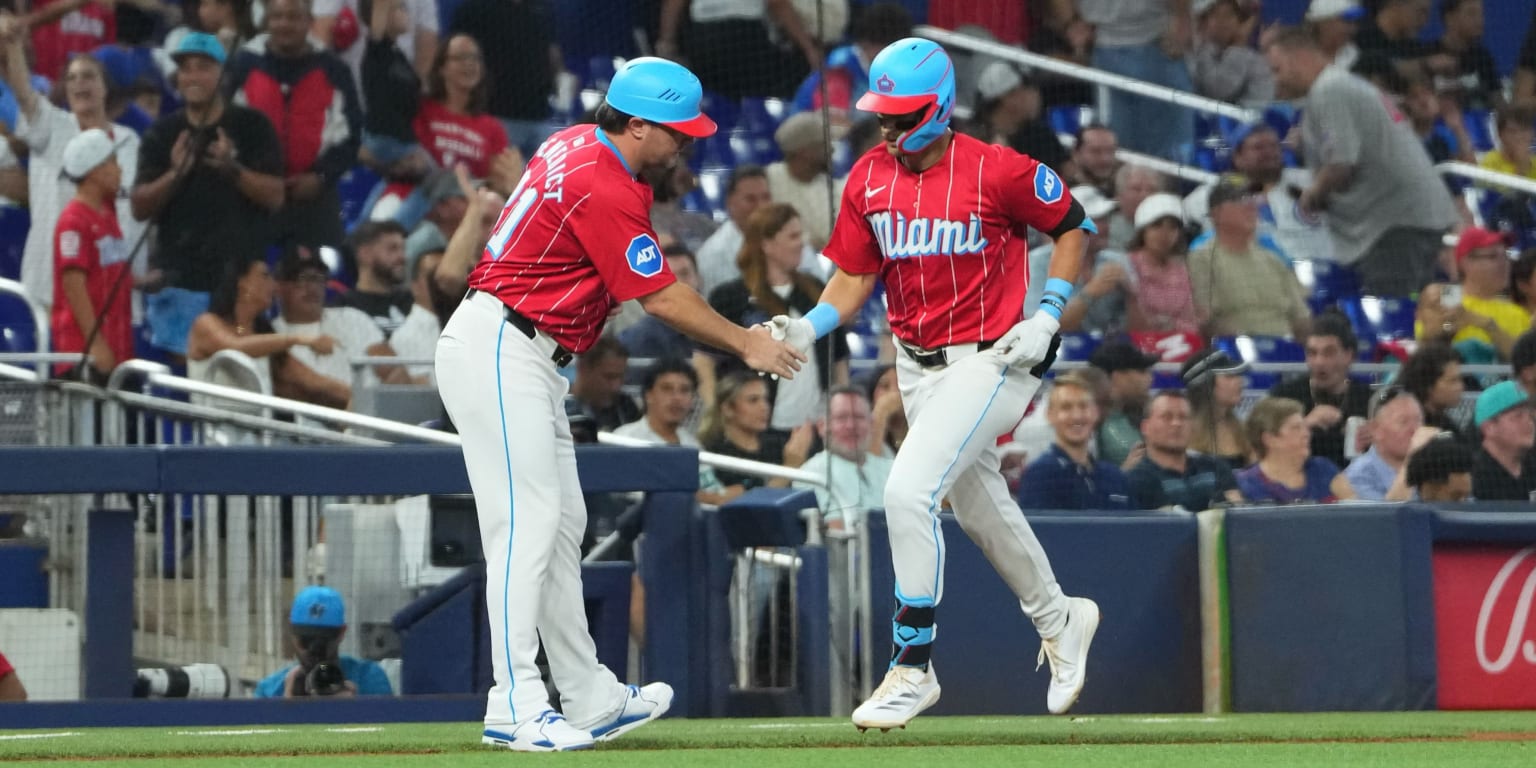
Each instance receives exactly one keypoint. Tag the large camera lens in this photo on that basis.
(325, 680)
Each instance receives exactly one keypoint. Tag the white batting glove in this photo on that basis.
(796, 331)
(1026, 344)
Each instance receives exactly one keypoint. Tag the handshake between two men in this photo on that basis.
(1025, 345)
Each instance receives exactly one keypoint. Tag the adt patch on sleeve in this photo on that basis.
(644, 256)
(1048, 186)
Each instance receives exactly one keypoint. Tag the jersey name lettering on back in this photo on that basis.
(901, 238)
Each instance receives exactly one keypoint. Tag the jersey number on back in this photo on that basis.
(510, 219)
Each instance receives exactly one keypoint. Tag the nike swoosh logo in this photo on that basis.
(868, 193)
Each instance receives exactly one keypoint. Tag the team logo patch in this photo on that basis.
(69, 244)
(1048, 185)
(885, 84)
(644, 256)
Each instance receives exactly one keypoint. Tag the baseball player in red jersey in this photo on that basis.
(941, 218)
(574, 239)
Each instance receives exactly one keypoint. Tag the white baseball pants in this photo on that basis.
(506, 398)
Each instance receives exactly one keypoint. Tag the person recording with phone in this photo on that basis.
(317, 624)
(1475, 315)
(210, 176)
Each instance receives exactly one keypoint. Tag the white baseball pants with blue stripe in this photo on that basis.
(506, 398)
(955, 415)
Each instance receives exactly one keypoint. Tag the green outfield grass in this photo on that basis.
(1391, 740)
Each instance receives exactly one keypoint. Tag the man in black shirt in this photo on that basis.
(209, 176)
(599, 385)
(1327, 392)
(380, 290)
(1394, 32)
(1505, 466)
(1171, 475)
(1462, 65)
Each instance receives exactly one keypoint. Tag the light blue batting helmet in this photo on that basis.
(660, 91)
(909, 75)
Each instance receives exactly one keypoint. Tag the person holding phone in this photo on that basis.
(1474, 315)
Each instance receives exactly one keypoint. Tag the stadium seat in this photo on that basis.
(1077, 347)
(1261, 349)
(1388, 317)
(354, 188)
(17, 331)
(1067, 118)
(600, 71)
(1325, 280)
(14, 222)
(1479, 124)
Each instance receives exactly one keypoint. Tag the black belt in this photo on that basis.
(561, 357)
(935, 358)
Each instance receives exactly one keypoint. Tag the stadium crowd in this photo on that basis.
(308, 182)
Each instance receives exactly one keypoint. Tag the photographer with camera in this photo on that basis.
(316, 626)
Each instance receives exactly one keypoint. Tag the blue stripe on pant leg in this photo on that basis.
(506, 577)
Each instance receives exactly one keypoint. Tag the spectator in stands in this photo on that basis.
(1159, 264)
(62, 29)
(746, 190)
(391, 94)
(454, 125)
(1223, 66)
(311, 93)
(1393, 31)
(670, 389)
(92, 311)
(1172, 475)
(229, 21)
(380, 292)
(1287, 472)
(669, 186)
(1441, 471)
(1522, 281)
(522, 59)
(1334, 23)
(1474, 316)
(301, 278)
(1327, 393)
(1147, 40)
(1523, 83)
(236, 319)
(446, 204)
(1462, 66)
(1240, 286)
(45, 130)
(1008, 113)
(1105, 295)
(1505, 466)
(1214, 383)
(1093, 158)
(1516, 128)
(1397, 431)
(1133, 184)
(889, 426)
(11, 688)
(1130, 384)
(729, 44)
(1069, 476)
(769, 285)
(1437, 121)
(416, 338)
(209, 175)
(736, 424)
(347, 26)
(1522, 362)
(316, 624)
(599, 385)
(1433, 375)
(846, 69)
(1387, 208)
(802, 178)
(654, 339)
(1283, 227)
(855, 477)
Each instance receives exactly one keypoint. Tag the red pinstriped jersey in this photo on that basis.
(948, 243)
(574, 240)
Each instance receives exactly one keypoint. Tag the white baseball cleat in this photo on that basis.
(1068, 653)
(641, 705)
(549, 732)
(905, 692)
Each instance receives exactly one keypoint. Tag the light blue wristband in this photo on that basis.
(1060, 287)
(823, 319)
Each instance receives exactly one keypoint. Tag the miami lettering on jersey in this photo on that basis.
(900, 238)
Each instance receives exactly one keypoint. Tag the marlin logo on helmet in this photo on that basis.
(911, 75)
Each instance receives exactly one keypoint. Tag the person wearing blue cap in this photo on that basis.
(574, 240)
(210, 174)
(1504, 468)
(317, 622)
